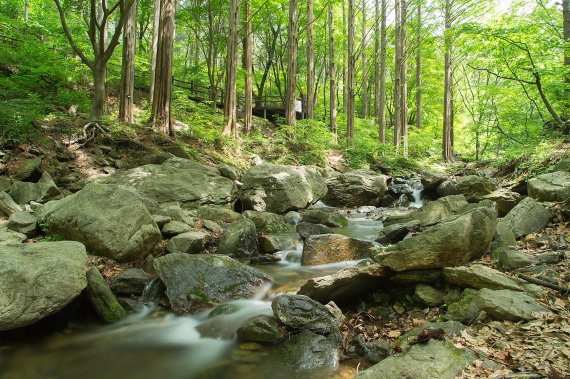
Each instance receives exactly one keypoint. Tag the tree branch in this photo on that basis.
(69, 37)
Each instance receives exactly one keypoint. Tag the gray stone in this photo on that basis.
(416, 276)
(356, 188)
(131, 281)
(436, 359)
(263, 329)
(268, 222)
(331, 248)
(465, 309)
(563, 165)
(229, 172)
(299, 312)
(8, 205)
(292, 218)
(195, 282)
(110, 220)
(5, 182)
(504, 199)
(177, 214)
(511, 259)
(432, 212)
(23, 222)
(26, 169)
(527, 217)
(372, 351)
(174, 228)
(509, 305)
(161, 220)
(428, 295)
(102, 298)
(450, 328)
(212, 226)
(456, 241)
(431, 179)
(473, 187)
(272, 243)
(396, 232)
(306, 229)
(239, 239)
(346, 284)
(189, 242)
(42, 191)
(8, 237)
(218, 214)
(280, 189)
(37, 280)
(325, 216)
(550, 187)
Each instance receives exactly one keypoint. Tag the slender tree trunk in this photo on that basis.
(332, 75)
(26, 10)
(161, 113)
(231, 72)
(566, 33)
(404, 77)
(419, 114)
(99, 90)
(380, 97)
(351, 69)
(344, 61)
(291, 89)
(310, 61)
(126, 99)
(397, 77)
(154, 48)
(364, 73)
(447, 88)
(247, 118)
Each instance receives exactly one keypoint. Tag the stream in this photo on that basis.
(152, 343)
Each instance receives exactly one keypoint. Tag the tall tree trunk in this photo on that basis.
(447, 152)
(231, 72)
(161, 113)
(310, 61)
(566, 33)
(126, 98)
(404, 76)
(248, 61)
(364, 73)
(350, 81)
(419, 113)
(99, 90)
(397, 78)
(332, 75)
(380, 72)
(291, 90)
(344, 60)
(154, 48)
(26, 10)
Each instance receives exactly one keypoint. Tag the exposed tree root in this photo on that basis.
(90, 131)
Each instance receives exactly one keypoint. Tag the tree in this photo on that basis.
(351, 76)
(126, 97)
(161, 112)
(310, 60)
(447, 145)
(419, 66)
(566, 35)
(332, 74)
(248, 62)
(231, 72)
(102, 51)
(380, 69)
(154, 48)
(364, 72)
(291, 88)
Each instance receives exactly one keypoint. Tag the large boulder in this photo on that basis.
(457, 241)
(218, 214)
(178, 180)
(41, 192)
(239, 239)
(299, 312)
(111, 220)
(509, 305)
(504, 199)
(356, 188)
(262, 329)
(527, 217)
(26, 169)
(23, 222)
(330, 248)
(550, 187)
(473, 187)
(132, 281)
(37, 280)
(433, 212)
(268, 222)
(280, 189)
(325, 216)
(306, 229)
(195, 282)
(189, 242)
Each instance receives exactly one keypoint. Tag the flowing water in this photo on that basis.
(155, 344)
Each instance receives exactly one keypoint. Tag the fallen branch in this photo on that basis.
(544, 283)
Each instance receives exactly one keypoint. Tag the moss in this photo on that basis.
(197, 292)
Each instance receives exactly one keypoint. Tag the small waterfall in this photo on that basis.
(152, 291)
(417, 189)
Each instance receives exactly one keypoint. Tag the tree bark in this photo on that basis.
(26, 10)
(290, 98)
(566, 34)
(380, 73)
(248, 61)
(126, 98)
(419, 113)
(403, 70)
(332, 76)
(447, 145)
(364, 73)
(310, 60)
(350, 81)
(154, 47)
(161, 113)
(397, 78)
(231, 72)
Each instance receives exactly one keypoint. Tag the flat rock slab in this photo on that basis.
(509, 305)
(527, 217)
(37, 280)
(550, 187)
(331, 248)
(356, 188)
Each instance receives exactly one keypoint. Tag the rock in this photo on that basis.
(436, 359)
(527, 217)
(292, 218)
(550, 187)
(37, 280)
(176, 150)
(479, 276)
(431, 179)
(346, 284)
(5, 182)
(299, 312)
(95, 216)
(26, 170)
(268, 222)
(132, 281)
(102, 298)
(161, 220)
(416, 276)
(306, 229)
(325, 216)
(188, 183)
(189, 242)
(563, 165)
(331, 248)
(473, 187)
(271, 243)
(262, 329)
(465, 309)
(195, 282)
(7, 204)
(174, 228)
(456, 241)
(428, 295)
(218, 214)
(433, 212)
(509, 305)
(8, 237)
(42, 191)
(229, 172)
(280, 189)
(177, 214)
(356, 188)
(450, 328)
(504, 199)
(396, 232)
(511, 259)
(239, 239)
(372, 351)
(23, 222)
(504, 238)
(212, 226)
